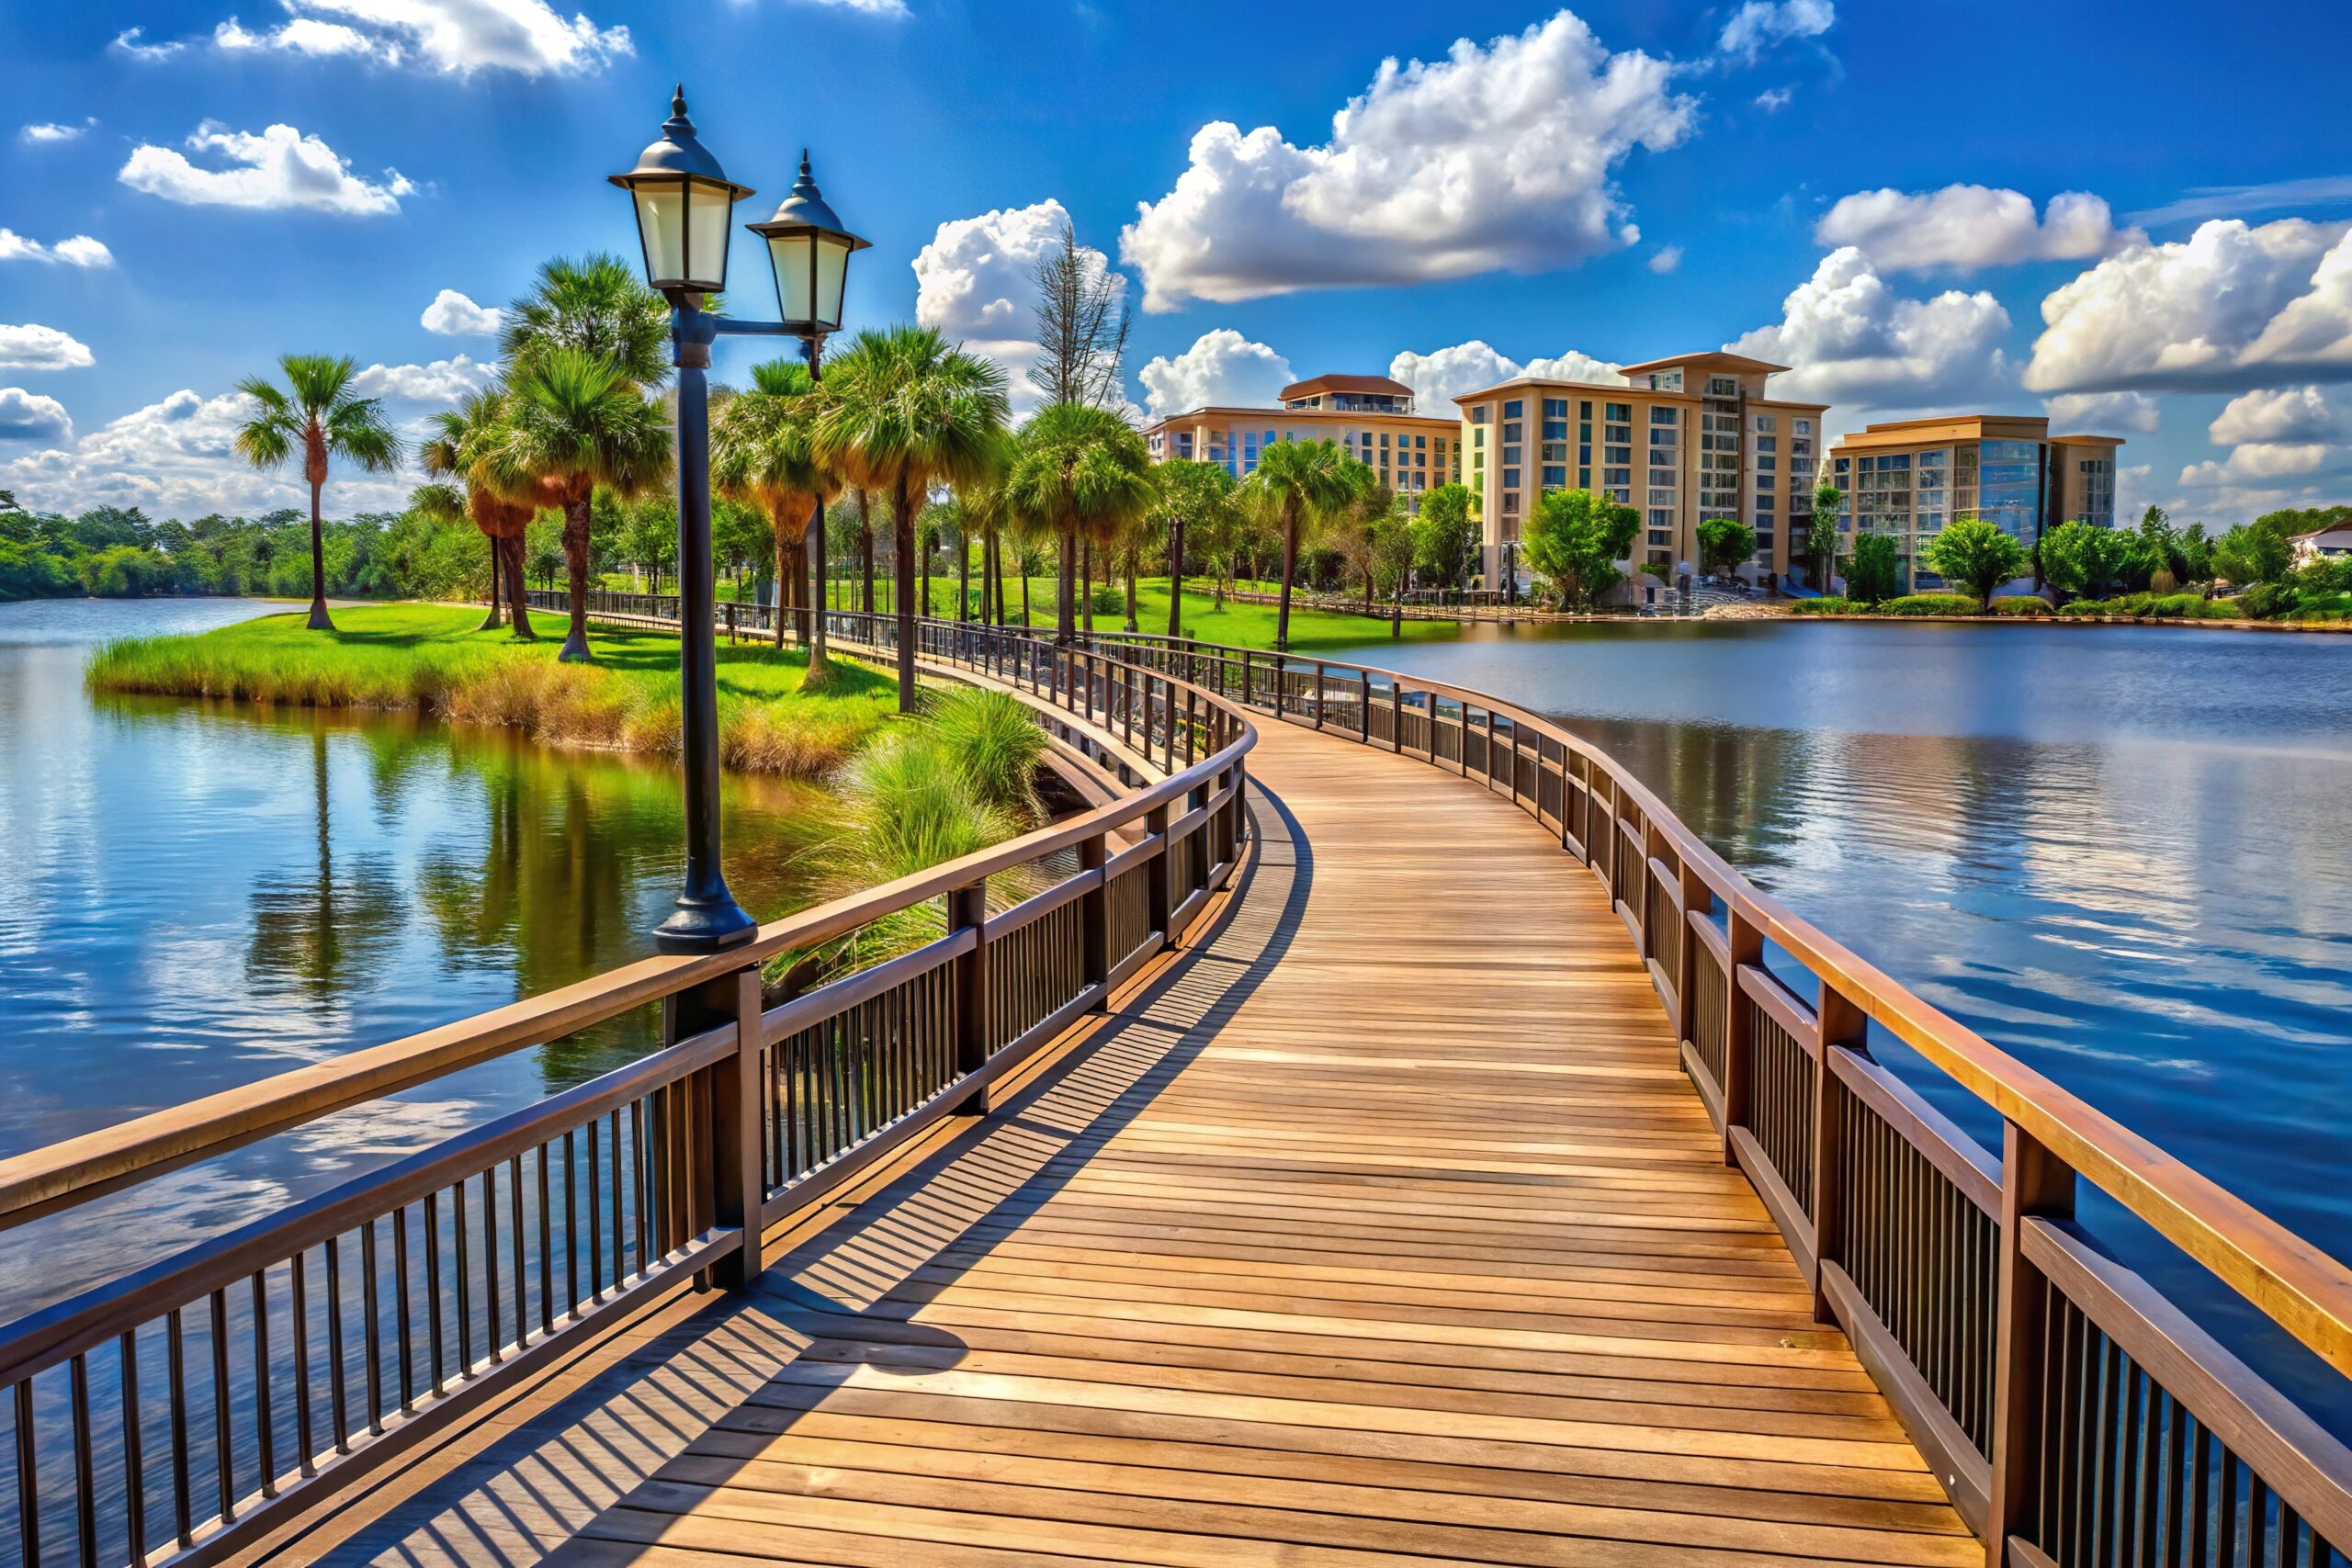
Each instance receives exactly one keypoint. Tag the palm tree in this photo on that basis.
(317, 414)
(1086, 473)
(904, 410)
(1301, 482)
(598, 304)
(1195, 498)
(763, 453)
(463, 446)
(575, 422)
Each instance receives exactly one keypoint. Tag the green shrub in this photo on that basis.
(2022, 607)
(2267, 601)
(1110, 598)
(2176, 606)
(2086, 607)
(1930, 604)
(1824, 607)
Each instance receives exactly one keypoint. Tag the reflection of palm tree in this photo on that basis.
(309, 933)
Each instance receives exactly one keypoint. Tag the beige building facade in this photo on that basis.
(1679, 440)
(1371, 417)
(1909, 477)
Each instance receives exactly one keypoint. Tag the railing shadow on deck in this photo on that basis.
(181, 1410)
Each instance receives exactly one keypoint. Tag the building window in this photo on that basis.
(1662, 439)
(1511, 454)
(1556, 407)
(1615, 479)
(1801, 426)
(1510, 479)
(1663, 538)
(1723, 387)
(1664, 414)
(1512, 408)
(1555, 479)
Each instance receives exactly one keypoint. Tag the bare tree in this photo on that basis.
(1082, 327)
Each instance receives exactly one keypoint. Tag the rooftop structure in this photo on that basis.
(1349, 394)
(1371, 416)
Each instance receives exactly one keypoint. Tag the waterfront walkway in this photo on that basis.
(1383, 1225)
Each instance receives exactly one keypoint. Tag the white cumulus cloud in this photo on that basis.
(2283, 414)
(2100, 414)
(452, 314)
(130, 42)
(79, 251)
(53, 131)
(1968, 228)
(1666, 258)
(1773, 100)
(455, 37)
(29, 417)
(1848, 336)
(41, 348)
(1497, 157)
(1437, 377)
(175, 458)
(442, 381)
(278, 169)
(2235, 305)
(976, 281)
(1759, 23)
(1221, 369)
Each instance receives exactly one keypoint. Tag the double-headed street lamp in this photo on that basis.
(685, 208)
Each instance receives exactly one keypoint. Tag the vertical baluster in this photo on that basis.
(336, 1390)
(434, 1342)
(571, 1225)
(492, 1336)
(175, 1364)
(620, 1203)
(298, 1297)
(86, 1491)
(134, 1456)
(28, 1476)
(224, 1468)
(265, 1420)
(515, 1248)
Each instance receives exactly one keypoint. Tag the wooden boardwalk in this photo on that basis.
(1383, 1227)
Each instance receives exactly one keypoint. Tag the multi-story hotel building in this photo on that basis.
(1371, 416)
(1909, 477)
(1679, 439)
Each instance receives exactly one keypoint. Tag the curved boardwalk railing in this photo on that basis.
(178, 1411)
(2079, 1415)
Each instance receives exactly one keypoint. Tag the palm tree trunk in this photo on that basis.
(814, 548)
(1133, 566)
(575, 562)
(1066, 607)
(1026, 620)
(865, 548)
(902, 532)
(1086, 584)
(517, 592)
(782, 579)
(320, 621)
(1176, 580)
(963, 577)
(1290, 567)
(490, 622)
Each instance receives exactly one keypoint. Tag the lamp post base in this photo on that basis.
(704, 925)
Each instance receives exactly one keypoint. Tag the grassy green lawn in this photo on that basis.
(1241, 625)
(432, 658)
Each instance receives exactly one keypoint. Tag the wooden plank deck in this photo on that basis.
(1386, 1228)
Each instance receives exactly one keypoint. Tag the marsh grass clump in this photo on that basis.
(955, 779)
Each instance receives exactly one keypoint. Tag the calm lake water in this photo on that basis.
(2123, 854)
(197, 896)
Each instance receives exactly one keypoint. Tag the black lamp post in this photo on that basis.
(685, 215)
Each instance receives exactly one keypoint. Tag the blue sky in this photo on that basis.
(1890, 198)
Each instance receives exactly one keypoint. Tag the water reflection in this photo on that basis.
(2117, 853)
(198, 895)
